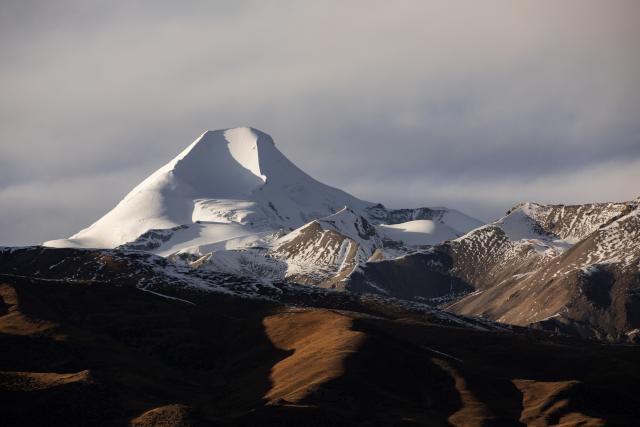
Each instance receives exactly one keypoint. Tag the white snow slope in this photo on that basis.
(419, 232)
(229, 189)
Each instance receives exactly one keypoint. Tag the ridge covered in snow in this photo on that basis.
(569, 268)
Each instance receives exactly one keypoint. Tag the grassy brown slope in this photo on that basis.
(107, 355)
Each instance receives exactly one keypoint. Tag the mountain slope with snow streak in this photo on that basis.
(327, 250)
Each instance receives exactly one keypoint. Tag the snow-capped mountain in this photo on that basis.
(233, 189)
(227, 185)
(590, 289)
(564, 267)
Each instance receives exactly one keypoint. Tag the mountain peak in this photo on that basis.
(228, 188)
(239, 135)
(226, 184)
(221, 149)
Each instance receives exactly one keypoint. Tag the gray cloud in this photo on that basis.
(418, 103)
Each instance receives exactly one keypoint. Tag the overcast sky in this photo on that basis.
(475, 105)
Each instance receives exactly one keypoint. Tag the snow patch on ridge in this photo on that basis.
(419, 232)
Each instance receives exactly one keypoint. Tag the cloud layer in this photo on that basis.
(474, 105)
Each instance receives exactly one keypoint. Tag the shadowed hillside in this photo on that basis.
(97, 353)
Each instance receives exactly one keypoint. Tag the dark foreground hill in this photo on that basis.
(114, 338)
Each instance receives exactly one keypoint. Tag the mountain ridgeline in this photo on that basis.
(232, 203)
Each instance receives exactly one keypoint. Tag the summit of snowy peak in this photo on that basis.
(242, 134)
(524, 206)
(223, 150)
